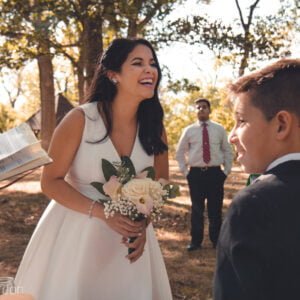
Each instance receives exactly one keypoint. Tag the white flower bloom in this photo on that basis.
(139, 192)
(140, 195)
(136, 187)
(144, 204)
(156, 191)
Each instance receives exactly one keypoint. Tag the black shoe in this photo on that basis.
(192, 247)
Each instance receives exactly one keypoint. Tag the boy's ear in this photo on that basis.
(283, 124)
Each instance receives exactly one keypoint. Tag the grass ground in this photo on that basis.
(22, 204)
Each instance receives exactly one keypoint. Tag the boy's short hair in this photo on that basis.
(273, 88)
(202, 100)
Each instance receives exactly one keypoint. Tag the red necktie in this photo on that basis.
(205, 144)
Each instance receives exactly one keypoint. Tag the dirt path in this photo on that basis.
(190, 273)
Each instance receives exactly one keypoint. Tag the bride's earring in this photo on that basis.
(114, 81)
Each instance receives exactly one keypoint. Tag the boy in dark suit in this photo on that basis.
(258, 255)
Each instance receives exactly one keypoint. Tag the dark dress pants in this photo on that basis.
(206, 183)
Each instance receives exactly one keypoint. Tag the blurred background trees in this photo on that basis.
(52, 46)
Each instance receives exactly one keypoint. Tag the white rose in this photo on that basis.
(156, 191)
(136, 187)
(137, 190)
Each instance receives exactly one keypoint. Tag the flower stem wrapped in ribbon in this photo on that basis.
(137, 196)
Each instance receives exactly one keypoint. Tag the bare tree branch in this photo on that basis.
(252, 8)
(240, 13)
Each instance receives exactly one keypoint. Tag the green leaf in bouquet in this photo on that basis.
(127, 163)
(173, 190)
(108, 169)
(98, 186)
(102, 201)
(150, 172)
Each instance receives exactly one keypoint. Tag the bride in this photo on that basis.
(76, 253)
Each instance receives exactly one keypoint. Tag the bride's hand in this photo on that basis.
(138, 245)
(124, 226)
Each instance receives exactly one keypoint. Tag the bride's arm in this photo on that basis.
(63, 147)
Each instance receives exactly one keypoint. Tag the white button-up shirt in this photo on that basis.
(189, 151)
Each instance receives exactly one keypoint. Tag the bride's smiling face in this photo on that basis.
(139, 74)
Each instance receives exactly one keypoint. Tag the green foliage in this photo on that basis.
(124, 170)
(173, 190)
(241, 43)
(133, 18)
(108, 169)
(75, 29)
(182, 85)
(98, 186)
(30, 93)
(7, 118)
(150, 172)
(179, 113)
(127, 164)
(222, 114)
(25, 26)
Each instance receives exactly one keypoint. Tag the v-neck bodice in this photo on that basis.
(87, 168)
(118, 156)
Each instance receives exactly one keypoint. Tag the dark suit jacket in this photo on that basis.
(258, 255)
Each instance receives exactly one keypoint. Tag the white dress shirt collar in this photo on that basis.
(201, 122)
(282, 159)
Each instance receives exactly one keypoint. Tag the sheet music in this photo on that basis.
(28, 153)
(15, 139)
(20, 151)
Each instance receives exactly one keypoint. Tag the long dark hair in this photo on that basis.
(102, 90)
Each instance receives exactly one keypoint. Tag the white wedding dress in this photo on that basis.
(73, 257)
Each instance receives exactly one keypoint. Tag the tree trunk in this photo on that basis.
(91, 49)
(247, 44)
(46, 77)
(48, 119)
(132, 31)
(244, 63)
(246, 54)
(80, 79)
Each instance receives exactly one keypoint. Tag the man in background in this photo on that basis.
(202, 149)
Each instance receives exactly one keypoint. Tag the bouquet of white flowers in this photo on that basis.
(136, 196)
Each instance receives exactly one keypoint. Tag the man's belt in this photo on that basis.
(204, 169)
